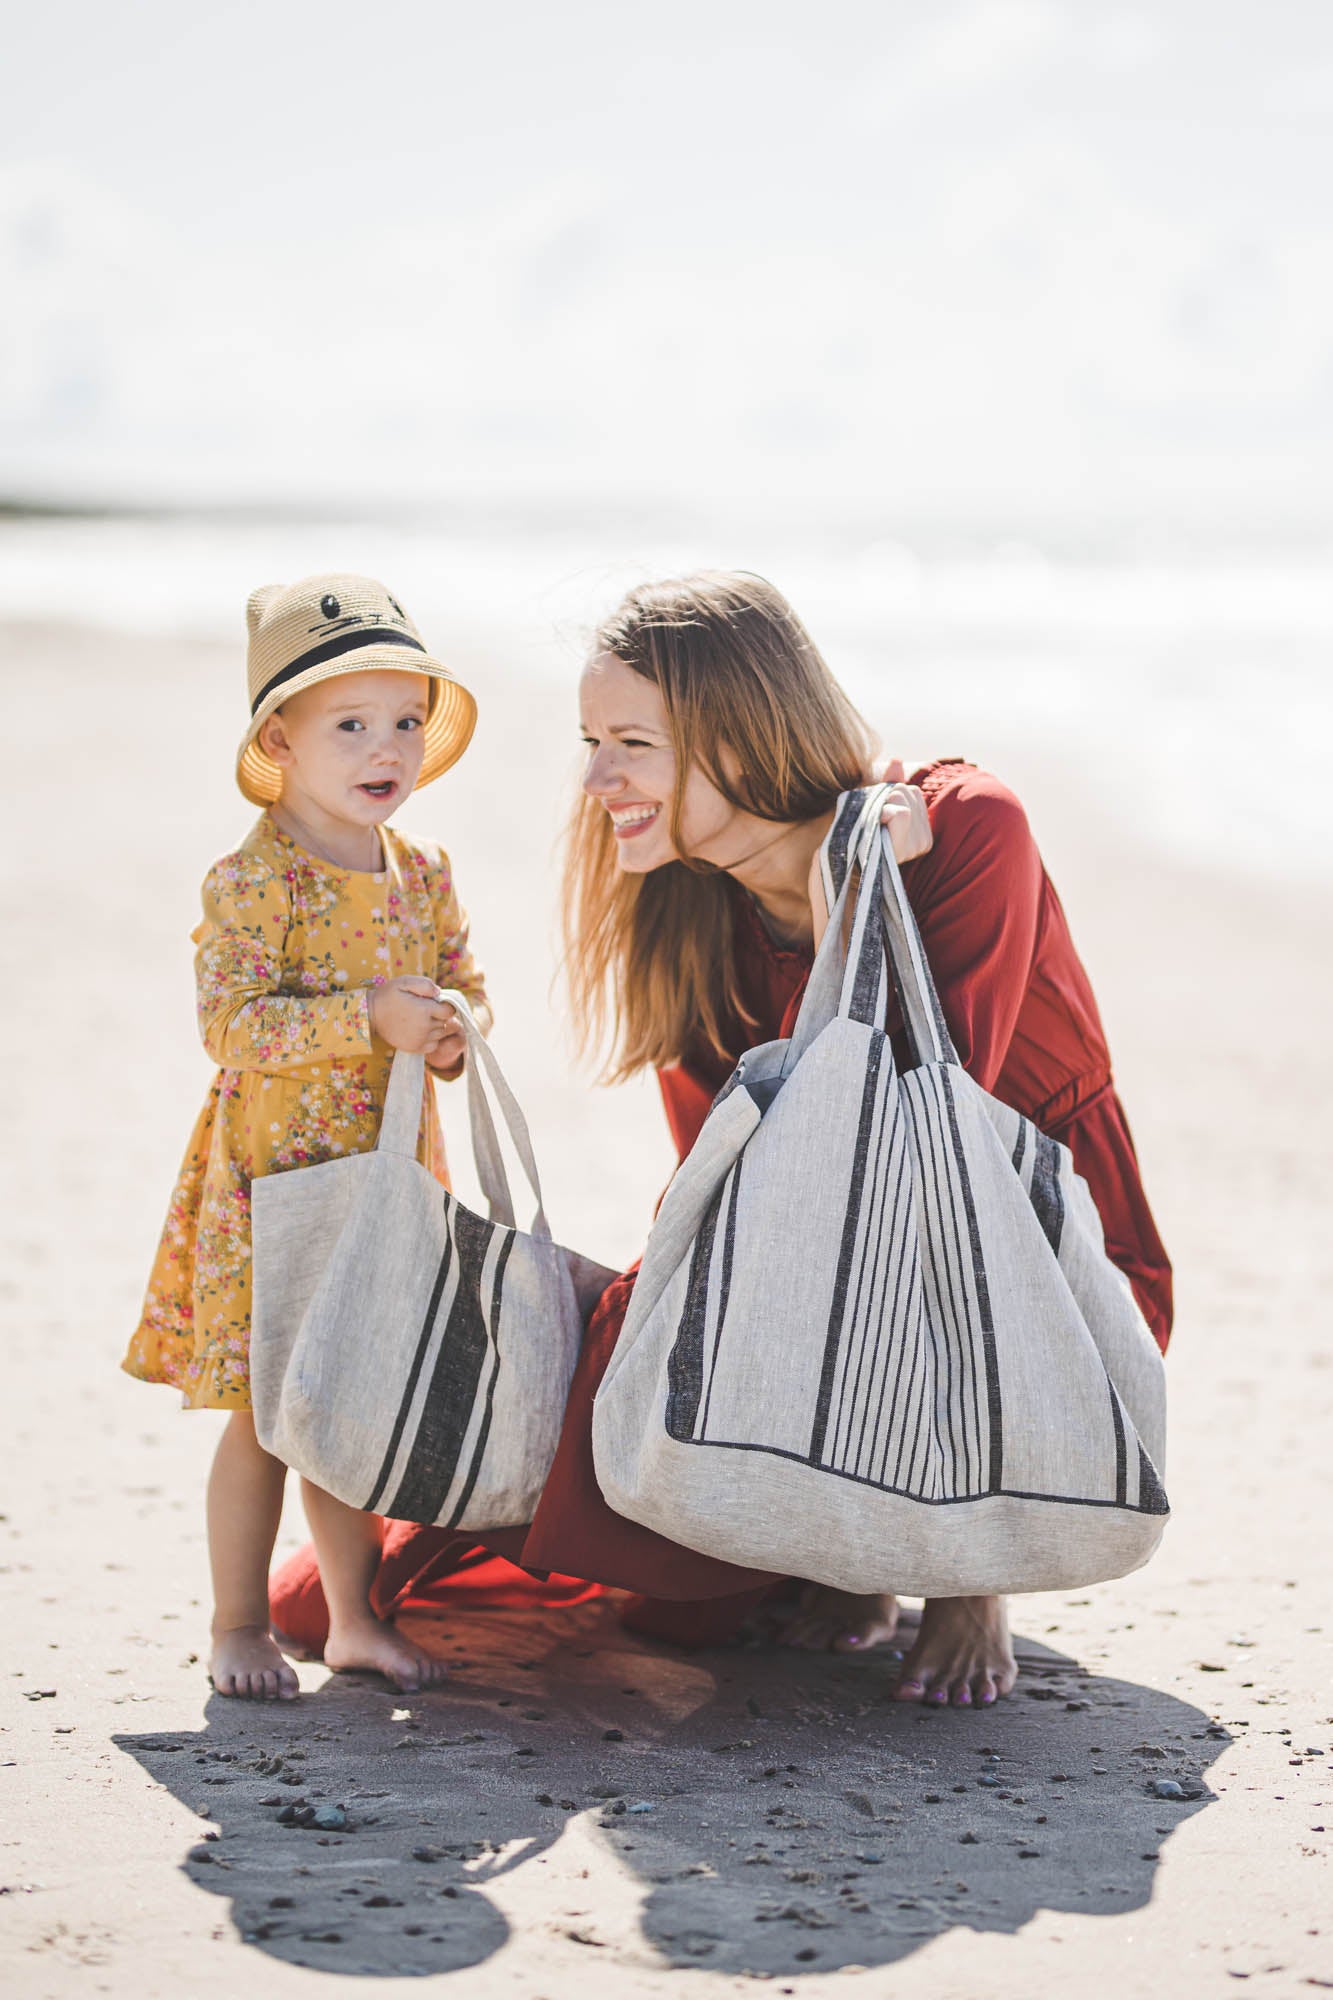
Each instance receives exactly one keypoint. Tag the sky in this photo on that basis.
(964, 258)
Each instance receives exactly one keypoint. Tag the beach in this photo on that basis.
(577, 1812)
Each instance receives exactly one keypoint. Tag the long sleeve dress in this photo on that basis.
(286, 954)
(1025, 1024)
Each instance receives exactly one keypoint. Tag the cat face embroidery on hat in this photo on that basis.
(337, 620)
(328, 625)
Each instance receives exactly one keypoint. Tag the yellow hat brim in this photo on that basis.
(449, 724)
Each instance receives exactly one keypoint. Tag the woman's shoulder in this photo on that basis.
(973, 814)
(960, 794)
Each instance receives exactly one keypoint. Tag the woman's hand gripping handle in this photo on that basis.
(904, 814)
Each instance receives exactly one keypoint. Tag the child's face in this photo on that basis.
(351, 746)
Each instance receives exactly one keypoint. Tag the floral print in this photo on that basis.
(286, 954)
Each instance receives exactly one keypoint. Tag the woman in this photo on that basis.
(717, 744)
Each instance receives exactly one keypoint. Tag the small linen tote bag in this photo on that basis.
(408, 1356)
(876, 1340)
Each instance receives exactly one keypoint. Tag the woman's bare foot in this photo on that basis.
(246, 1662)
(838, 1621)
(377, 1648)
(962, 1656)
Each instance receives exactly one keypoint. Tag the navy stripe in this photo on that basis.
(333, 649)
(724, 1283)
(423, 1342)
(685, 1361)
(1152, 1500)
(912, 1328)
(916, 1345)
(1046, 1194)
(994, 1410)
(908, 1263)
(452, 1395)
(948, 1239)
(1121, 1470)
(852, 1345)
(869, 977)
(484, 1428)
(877, 1315)
(847, 1250)
(840, 838)
(916, 1057)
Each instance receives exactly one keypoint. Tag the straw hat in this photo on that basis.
(302, 633)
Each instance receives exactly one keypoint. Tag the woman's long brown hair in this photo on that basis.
(649, 958)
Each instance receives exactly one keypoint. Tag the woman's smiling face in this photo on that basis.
(631, 771)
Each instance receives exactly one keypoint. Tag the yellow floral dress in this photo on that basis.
(287, 950)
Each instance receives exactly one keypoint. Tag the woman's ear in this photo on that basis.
(272, 739)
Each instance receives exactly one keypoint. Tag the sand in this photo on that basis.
(757, 1816)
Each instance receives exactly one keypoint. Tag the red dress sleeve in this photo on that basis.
(978, 898)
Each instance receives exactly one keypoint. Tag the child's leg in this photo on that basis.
(244, 1508)
(348, 1544)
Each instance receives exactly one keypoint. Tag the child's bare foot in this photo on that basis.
(962, 1656)
(377, 1648)
(246, 1662)
(838, 1621)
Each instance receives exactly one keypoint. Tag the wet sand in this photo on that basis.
(577, 1812)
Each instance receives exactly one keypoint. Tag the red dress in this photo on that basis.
(1025, 1024)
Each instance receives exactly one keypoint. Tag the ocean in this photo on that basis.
(1166, 692)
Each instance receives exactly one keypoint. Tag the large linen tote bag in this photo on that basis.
(408, 1356)
(876, 1340)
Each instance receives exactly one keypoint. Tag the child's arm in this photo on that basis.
(455, 967)
(247, 1023)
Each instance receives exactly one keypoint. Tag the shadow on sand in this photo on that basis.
(773, 1812)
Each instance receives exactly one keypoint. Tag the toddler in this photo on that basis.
(324, 941)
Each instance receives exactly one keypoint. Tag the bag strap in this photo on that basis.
(482, 1061)
(822, 1001)
(402, 1118)
(884, 940)
(917, 998)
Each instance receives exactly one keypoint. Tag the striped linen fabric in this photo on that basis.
(876, 1340)
(407, 1355)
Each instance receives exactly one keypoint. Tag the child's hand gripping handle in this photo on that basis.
(402, 1117)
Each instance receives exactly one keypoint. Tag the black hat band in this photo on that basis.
(346, 642)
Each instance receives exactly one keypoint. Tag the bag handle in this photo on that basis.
(402, 1117)
(822, 1000)
(918, 1000)
(854, 982)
